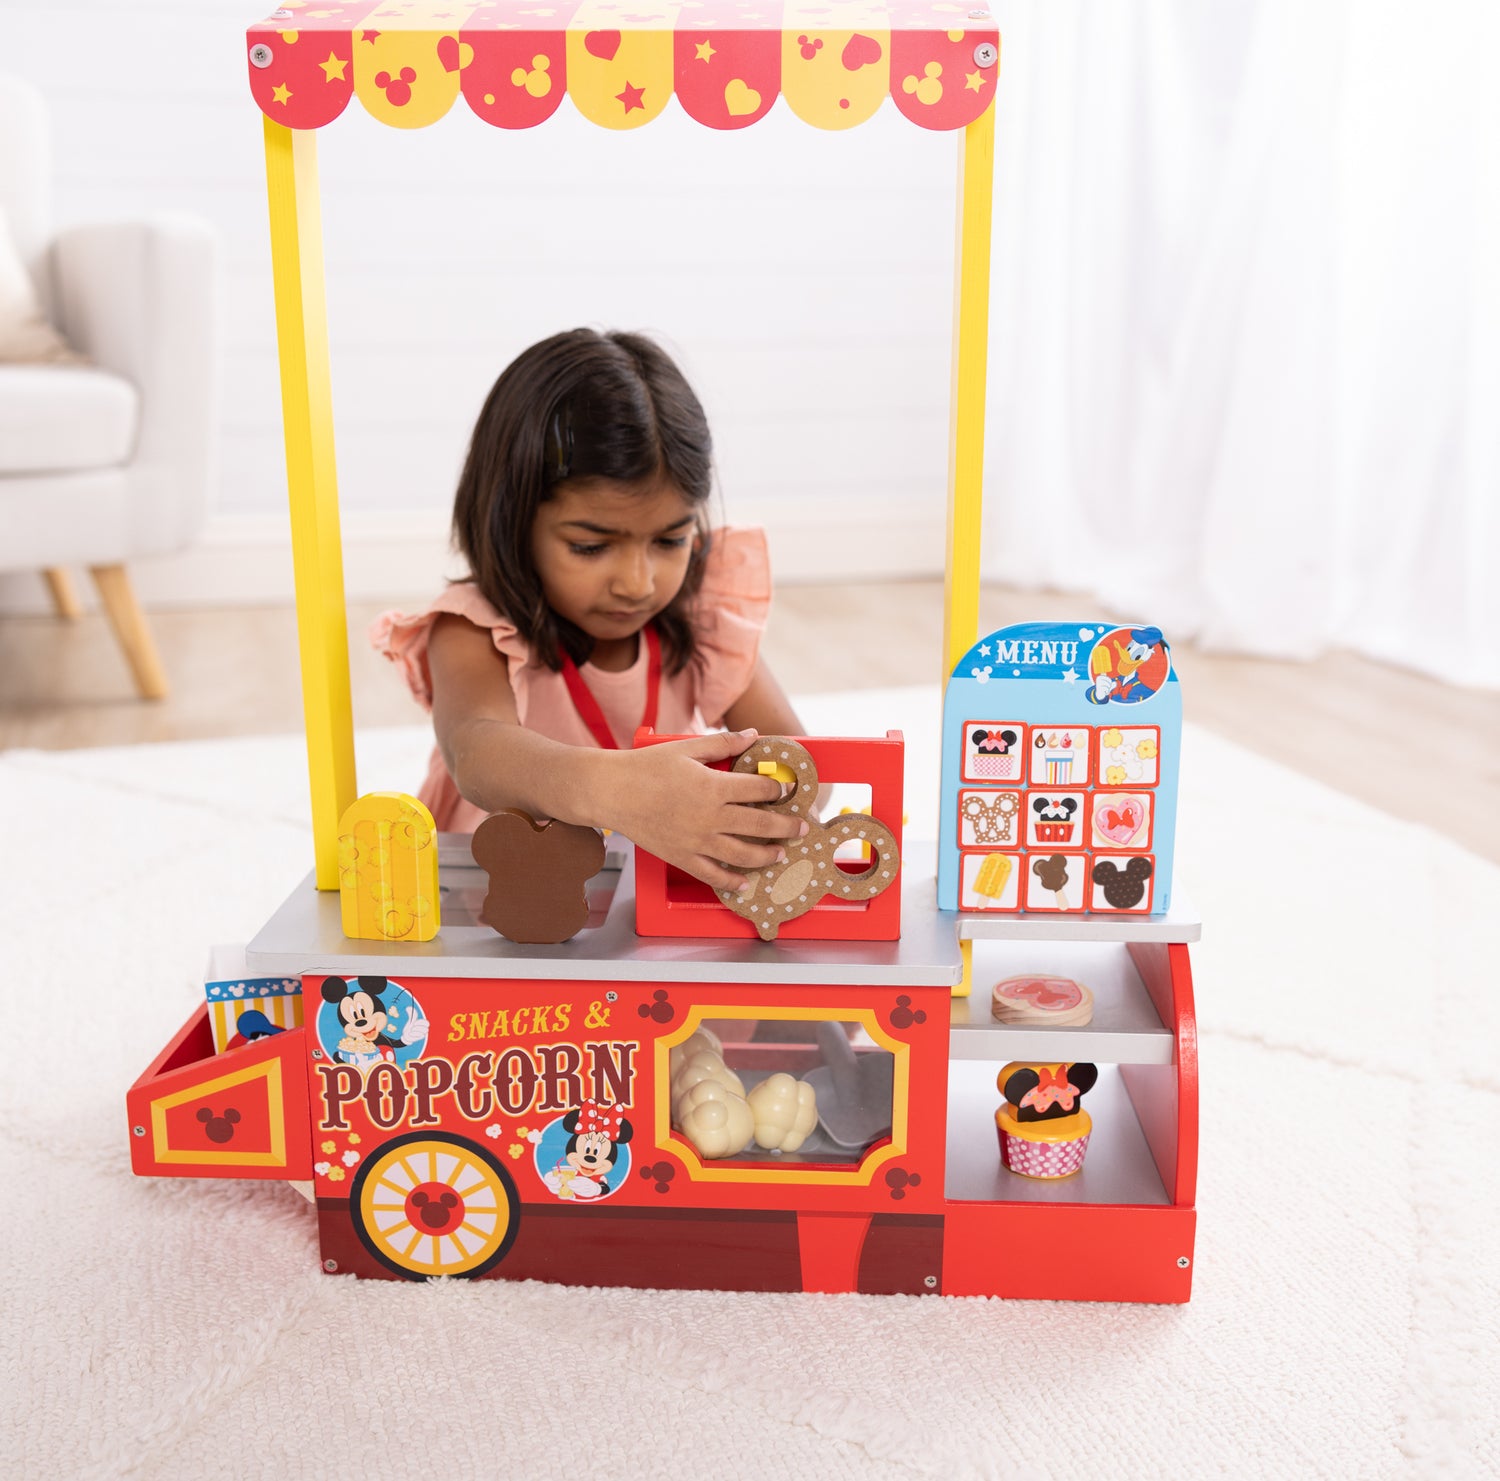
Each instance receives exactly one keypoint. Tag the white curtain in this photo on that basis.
(1245, 359)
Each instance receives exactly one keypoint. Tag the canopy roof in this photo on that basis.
(620, 61)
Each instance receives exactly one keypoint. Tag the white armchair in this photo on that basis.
(110, 461)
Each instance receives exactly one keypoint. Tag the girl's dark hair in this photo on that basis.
(580, 405)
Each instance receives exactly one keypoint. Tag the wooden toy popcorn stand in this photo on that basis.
(467, 1105)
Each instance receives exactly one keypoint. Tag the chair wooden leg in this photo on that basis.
(129, 622)
(64, 594)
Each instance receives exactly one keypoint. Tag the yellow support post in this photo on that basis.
(312, 484)
(971, 325)
(966, 982)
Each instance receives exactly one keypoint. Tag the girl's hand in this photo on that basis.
(667, 799)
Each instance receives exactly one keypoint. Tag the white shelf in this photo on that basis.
(1125, 1029)
(1118, 1168)
(1180, 923)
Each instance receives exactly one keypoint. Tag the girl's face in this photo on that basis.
(611, 555)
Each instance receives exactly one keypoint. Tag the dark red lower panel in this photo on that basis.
(1068, 1252)
(901, 1253)
(686, 1249)
(1043, 1252)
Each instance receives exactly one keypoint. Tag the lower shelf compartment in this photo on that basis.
(1118, 1169)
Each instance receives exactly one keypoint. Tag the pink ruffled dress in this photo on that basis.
(728, 614)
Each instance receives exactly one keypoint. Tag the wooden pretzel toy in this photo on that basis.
(781, 892)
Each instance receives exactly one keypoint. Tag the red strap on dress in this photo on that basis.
(588, 707)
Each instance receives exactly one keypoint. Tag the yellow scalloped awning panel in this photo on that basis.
(727, 61)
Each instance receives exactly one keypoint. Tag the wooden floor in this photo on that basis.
(1351, 723)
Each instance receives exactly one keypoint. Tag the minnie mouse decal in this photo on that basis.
(596, 1133)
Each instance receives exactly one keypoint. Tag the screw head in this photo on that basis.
(317, 1054)
(986, 54)
(260, 55)
(1183, 1262)
(138, 1130)
(979, 15)
(930, 1281)
(330, 1266)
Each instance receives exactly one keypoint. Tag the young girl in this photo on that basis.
(598, 600)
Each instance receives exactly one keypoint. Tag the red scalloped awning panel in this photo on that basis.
(727, 61)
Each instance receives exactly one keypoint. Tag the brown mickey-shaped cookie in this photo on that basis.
(537, 875)
(781, 892)
(1123, 888)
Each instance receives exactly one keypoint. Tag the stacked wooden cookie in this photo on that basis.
(1039, 1001)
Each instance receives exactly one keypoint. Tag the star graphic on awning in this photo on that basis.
(705, 51)
(631, 98)
(369, 36)
(281, 93)
(333, 68)
(973, 81)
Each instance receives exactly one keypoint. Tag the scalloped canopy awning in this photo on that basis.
(621, 61)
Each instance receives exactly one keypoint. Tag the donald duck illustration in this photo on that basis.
(1128, 665)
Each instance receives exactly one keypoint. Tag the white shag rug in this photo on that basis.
(1344, 1314)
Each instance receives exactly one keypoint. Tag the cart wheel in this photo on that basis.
(428, 1205)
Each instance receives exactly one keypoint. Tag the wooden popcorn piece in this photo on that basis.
(537, 875)
(781, 892)
(388, 869)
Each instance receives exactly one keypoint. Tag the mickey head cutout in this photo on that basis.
(1123, 888)
(435, 1213)
(1047, 1092)
(781, 892)
(219, 1128)
(537, 875)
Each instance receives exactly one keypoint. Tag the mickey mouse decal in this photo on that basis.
(364, 1016)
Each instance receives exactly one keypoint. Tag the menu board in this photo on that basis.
(1059, 788)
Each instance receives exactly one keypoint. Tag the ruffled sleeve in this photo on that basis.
(404, 639)
(729, 615)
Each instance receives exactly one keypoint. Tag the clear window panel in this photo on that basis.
(781, 1091)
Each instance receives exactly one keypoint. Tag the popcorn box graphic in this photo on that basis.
(242, 1008)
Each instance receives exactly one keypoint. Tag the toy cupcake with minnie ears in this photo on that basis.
(1043, 1129)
